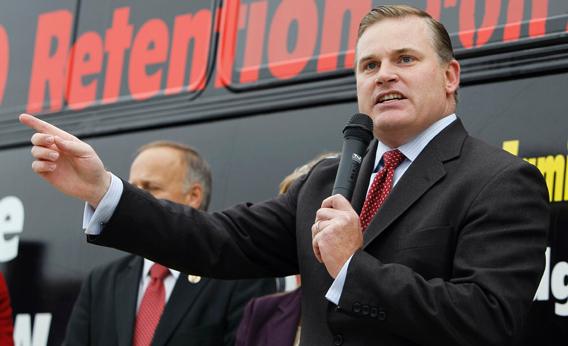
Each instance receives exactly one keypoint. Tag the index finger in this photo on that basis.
(44, 127)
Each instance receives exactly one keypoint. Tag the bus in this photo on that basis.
(258, 87)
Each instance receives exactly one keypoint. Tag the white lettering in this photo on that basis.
(555, 282)
(559, 287)
(11, 223)
(23, 335)
(543, 288)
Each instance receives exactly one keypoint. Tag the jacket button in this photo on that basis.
(382, 315)
(338, 308)
(357, 308)
(365, 310)
(374, 312)
(338, 340)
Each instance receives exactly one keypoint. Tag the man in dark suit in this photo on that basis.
(453, 256)
(199, 311)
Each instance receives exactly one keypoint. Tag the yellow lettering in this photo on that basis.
(552, 168)
(511, 147)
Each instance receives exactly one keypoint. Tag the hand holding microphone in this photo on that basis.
(336, 233)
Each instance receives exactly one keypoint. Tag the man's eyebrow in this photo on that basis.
(405, 50)
(366, 58)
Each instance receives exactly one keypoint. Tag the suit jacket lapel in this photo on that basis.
(181, 299)
(125, 295)
(423, 173)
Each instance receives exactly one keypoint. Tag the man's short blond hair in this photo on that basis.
(441, 38)
(303, 170)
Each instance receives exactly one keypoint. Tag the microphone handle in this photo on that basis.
(351, 156)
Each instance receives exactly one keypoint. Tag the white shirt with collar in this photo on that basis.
(169, 282)
(93, 219)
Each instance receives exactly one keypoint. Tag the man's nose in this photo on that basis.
(386, 74)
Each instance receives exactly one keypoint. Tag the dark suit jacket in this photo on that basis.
(6, 324)
(206, 313)
(271, 320)
(453, 257)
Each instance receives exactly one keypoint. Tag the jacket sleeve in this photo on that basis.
(233, 244)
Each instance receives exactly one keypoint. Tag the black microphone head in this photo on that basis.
(359, 126)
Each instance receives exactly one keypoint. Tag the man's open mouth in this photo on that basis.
(390, 96)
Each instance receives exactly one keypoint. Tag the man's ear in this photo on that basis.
(194, 195)
(452, 75)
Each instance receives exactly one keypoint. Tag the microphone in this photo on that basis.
(357, 134)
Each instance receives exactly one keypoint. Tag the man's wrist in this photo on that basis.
(94, 219)
(100, 191)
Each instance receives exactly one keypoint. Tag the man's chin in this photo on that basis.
(391, 121)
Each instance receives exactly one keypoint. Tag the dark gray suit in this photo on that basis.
(205, 313)
(453, 257)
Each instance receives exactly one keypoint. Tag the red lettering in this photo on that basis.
(228, 27)
(86, 60)
(537, 25)
(117, 40)
(331, 33)
(255, 39)
(467, 22)
(434, 7)
(285, 64)
(4, 60)
(187, 28)
(150, 47)
(512, 30)
(48, 70)
(515, 12)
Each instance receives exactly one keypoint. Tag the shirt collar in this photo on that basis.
(148, 264)
(412, 149)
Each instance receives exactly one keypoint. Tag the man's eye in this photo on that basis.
(371, 66)
(405, 59)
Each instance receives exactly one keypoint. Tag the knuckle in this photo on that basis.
(352, 217)
(324, 236)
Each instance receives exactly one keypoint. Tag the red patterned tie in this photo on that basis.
(380, 188)
(151, 306)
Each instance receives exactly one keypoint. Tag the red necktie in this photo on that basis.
(151, 306)
(380, 188)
